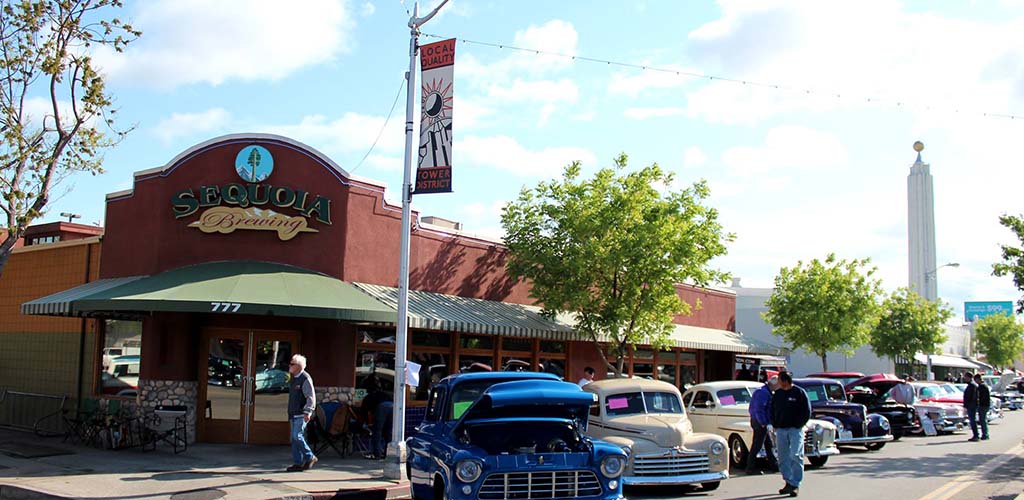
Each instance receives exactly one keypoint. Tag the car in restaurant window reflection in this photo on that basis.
(223, 371)
(121, 376)
(272, 380)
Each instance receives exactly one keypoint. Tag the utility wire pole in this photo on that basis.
(394, 466)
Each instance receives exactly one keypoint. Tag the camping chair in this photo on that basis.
(168, 424)
(327, 433)
(82, 425)
(358, 433)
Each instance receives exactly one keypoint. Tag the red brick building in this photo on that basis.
(242, 250)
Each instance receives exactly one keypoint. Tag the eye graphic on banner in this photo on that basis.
(434, 170)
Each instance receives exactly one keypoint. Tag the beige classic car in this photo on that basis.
(646, 418)
(723, 408)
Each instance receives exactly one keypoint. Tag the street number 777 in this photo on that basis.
(225, 306)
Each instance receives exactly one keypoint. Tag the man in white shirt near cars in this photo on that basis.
(588, 376)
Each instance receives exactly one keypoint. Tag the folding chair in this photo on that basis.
(82, 424)
(168, 424)
(327, 433)
(358, 435)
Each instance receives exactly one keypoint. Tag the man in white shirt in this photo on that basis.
(588, 376)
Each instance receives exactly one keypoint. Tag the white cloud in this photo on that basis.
(694, 157)
(636, 82)
(480, 211)
(585, 116)
(190, 124)
(645, 113)
(785, 148)
(505, 153)
(352, 133)
(920, 58)
(368, 9)
(194, 41)
(545, 91)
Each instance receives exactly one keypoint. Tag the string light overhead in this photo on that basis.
(752, 83)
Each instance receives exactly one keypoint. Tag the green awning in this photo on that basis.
(232, 287)
(437, 311)
(695, 337)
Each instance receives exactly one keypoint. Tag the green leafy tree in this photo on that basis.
(1013, 257)
(611, 250)
(825, 306)
(909, 324)
(52, 102)
(1001, 338)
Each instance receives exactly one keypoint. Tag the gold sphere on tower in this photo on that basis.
(918, 146)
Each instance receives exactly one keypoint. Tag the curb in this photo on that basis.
(11, 492)
(392, 492)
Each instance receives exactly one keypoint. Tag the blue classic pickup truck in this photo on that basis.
(499, 435)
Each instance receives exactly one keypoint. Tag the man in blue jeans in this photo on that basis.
(301, 403)
(378, 403)
(790, 411)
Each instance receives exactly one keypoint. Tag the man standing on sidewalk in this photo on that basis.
(759, 421)
(971, 405)
(984, 402)
(301, 403)
(790, 411)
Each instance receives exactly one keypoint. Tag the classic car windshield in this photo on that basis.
(825, 392)
(632, 403)
(932, 391)
(465, 394)
(731, 397)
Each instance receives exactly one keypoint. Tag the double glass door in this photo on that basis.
(244, 385)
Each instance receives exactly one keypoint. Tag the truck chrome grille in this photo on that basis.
(670, 464)
(529, 485)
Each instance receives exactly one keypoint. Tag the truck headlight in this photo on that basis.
(468, 470)
(884, 423)
(612, 466)
(818, 429)
(717, 448)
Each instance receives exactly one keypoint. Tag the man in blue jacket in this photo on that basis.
(790, 411)
(759, 420)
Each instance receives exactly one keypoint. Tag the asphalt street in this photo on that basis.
(913, 468)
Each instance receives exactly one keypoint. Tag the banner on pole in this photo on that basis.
(434, 170)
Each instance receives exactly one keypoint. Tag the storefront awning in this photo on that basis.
(695, 337)
(234, 287)
(59, 304)
(947, 361)
(436, 311)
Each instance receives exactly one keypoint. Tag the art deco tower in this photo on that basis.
(921, 220)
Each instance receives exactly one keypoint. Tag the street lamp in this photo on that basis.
(70, 216)
(927, 290)
(931, 274)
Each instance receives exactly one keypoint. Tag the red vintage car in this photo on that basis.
(843, 377)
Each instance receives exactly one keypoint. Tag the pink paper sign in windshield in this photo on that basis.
(617, 403)
(727, 400)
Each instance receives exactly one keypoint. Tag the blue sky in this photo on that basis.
(794, 175)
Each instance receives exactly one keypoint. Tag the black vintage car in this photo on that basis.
(856, 426)
(874, 392)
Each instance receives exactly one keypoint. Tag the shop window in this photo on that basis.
(643, 354)
(377, 336)
(471, 363)
(476, 342)
(431, 339)
(666, 373)
(433, 368)
(379, 365)
(643, 370)
(516, 364)
(553, 366)
(687, 376)
(551, 347)
(121, 358)
(516, 344)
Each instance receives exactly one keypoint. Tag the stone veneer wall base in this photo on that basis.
(153, 393)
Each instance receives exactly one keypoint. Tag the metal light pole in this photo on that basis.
(932, 297)
(394, 466)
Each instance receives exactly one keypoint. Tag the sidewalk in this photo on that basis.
(34, 467)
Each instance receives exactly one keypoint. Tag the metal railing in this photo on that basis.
(38, 413)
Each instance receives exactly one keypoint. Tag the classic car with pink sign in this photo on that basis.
(646, 418)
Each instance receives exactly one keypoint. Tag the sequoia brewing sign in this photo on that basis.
(250, 205)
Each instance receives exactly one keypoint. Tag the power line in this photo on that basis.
(751, 83)
(379, 134)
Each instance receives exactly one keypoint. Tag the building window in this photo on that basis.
(432, 351)
(121, 358)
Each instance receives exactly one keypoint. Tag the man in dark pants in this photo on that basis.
(759, 420)
(971, 405)
(984, 402)
(378, 403)
(790, 411)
